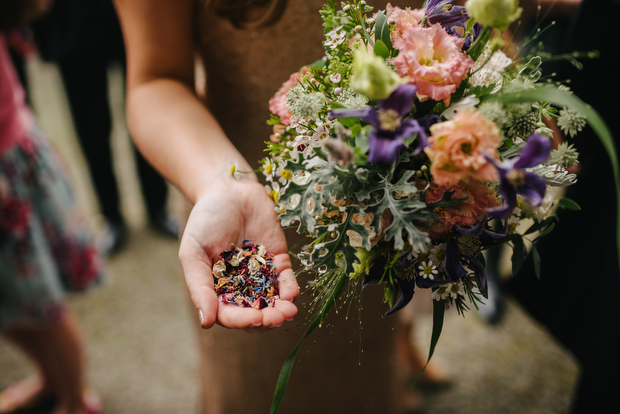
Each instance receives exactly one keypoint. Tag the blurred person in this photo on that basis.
(83, 37)
(575, 296)
(44, 249)
(248, 49)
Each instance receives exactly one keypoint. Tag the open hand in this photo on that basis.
(231, 213)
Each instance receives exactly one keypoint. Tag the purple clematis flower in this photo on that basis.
(406, 286)
(391, 130)
(514, 180)
(444, 13)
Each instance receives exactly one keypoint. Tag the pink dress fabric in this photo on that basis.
(15, 117)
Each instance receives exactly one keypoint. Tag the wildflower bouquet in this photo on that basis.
(415, 144)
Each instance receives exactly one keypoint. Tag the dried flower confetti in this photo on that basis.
(246, 277)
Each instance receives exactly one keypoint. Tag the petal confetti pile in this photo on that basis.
(246, 277)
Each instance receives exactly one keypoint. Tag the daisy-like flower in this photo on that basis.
(273, 190)
(427, 270)
(571, 121)
(513, 220)
(269, 169)
(454, 290)
(438, 255)
(234, 171)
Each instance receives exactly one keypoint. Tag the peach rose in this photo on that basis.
(432, 59)
(477, 200)
(456, 148)
(403, 18)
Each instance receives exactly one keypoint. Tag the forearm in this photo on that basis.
(180, 137)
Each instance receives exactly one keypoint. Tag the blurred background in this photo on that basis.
(139, 328)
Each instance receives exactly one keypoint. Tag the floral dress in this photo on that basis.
(44, 245)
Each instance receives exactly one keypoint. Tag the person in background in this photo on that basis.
(575, 297)
(84, 37)
(248, 49)
(44, 249)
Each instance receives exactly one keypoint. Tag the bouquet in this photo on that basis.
(413, 146)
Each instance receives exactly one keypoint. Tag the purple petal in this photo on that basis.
(471, 230)
(510, 201)
(401, 100)
(366, 114)
(534, 189)
(454, 269)
(383, 150)
(479, 271)
(407, 288)
(535, 152)
(376, 272)
(503, 167)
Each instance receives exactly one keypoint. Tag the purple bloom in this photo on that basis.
(405, 285)
(391, 130)
(444, 13)
(514, 180)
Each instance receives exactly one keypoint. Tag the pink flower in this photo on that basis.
(477, 199)
(403, 18)
(432, 59)
(456, 148)
(277, 104)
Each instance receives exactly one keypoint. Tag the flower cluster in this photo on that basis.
(397, 155)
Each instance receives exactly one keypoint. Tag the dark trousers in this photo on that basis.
(84, 74)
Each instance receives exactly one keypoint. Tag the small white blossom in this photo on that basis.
(571, 121)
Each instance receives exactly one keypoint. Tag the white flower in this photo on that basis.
(335, 37)
(428, 270)
(455, 289)
(269, 169)
(489, 70)
(336, 78)
(438, 255)
(234, 171)
(468, 102)
(571, 121)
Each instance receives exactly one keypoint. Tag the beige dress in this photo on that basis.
(344, 367)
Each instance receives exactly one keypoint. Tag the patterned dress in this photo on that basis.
(44, 245)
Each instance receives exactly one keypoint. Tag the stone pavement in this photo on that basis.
(139, 328)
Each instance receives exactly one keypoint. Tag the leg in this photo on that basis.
(58, 354)
(85, 79)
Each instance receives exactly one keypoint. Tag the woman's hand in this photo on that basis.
(231, 212)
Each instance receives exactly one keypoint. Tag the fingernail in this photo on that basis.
(288, 320)
(257, 325)
(201, 317)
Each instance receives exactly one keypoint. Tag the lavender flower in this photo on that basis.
(391, 130)
(514, 180)
(444, 13)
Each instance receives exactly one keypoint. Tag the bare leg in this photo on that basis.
(58, 354)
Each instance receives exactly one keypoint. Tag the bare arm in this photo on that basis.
(180, 137)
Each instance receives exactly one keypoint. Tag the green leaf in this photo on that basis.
(478, 47)
(381, 50)
(382, 32)
(536, 257)
(287, 367)
(540, 224)
(568, 204)
(547, 231)
(317, 64)
(518, 253)
(438, 315)
(596, 122)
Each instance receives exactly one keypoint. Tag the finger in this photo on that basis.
(272, 317)
(236, 317)
(286, 308)
(199, 281)
(287, 283)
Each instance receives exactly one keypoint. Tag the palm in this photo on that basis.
(226, 217)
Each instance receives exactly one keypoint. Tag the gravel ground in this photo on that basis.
(138, 329)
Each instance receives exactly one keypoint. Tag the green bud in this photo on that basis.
(390, 294)
(372, 77)
(494, 13)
